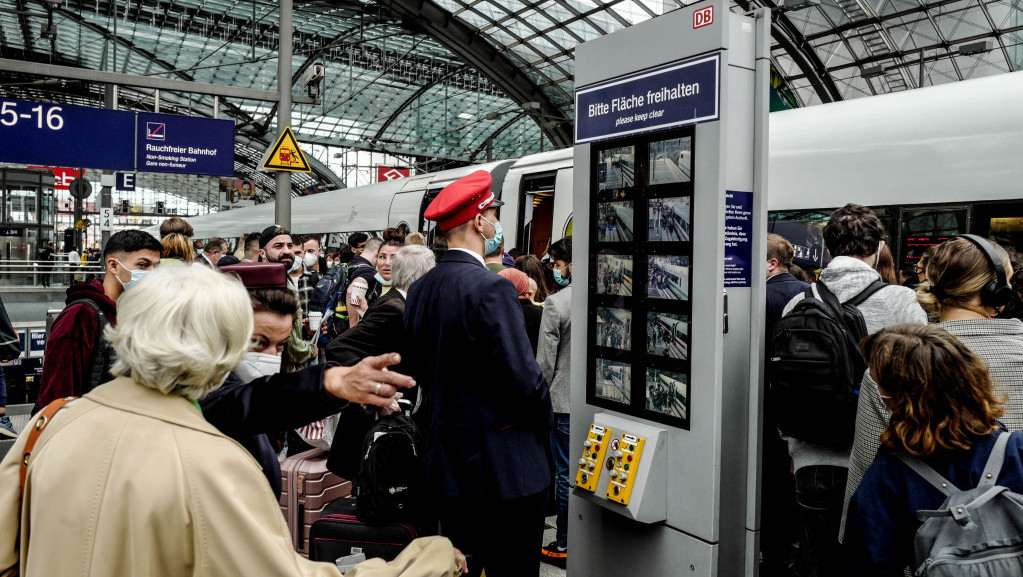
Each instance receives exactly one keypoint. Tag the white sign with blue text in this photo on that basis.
(667, 97)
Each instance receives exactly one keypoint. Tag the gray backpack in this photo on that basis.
(978, 532)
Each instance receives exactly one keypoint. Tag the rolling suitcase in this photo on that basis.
(307, 487)
(339, 533)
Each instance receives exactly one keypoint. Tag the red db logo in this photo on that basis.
(703, 17)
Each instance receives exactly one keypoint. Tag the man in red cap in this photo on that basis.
(487, 409)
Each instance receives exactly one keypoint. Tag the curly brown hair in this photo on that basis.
(853, 230)
(940, 393)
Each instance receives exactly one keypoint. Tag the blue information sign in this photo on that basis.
(185, 144)
(125, 181)
(738, 233)
(36, 342)
(65, 135)
(674, 95)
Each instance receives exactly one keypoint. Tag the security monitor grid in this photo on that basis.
(641, 191)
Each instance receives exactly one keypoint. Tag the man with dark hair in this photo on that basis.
(198, 247)
(251, 247)
(488, 407)
(361, 271)
(853, 236)
(554, 355)
(78, 357)
(216, 247)
(276, 245)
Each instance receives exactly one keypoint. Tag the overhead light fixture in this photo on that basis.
(493, 115)
(465, 116)
(872, 71)
(533, 105)
(975, 47)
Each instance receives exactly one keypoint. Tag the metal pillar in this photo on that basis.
(282, 210)
(106, 199)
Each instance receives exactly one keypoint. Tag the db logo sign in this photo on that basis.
(703, 17)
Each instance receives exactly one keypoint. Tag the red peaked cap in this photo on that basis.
(462, 200)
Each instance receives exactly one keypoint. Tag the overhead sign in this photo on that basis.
(666, 97)
(62, 176)
(385, 173)
(65, 135)
(286, 155)
(184, 144)
(125, 181)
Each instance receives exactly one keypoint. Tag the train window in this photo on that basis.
(923, 228)
(1001, 222)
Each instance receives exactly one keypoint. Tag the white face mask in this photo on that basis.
(310, 259)
(256, 365)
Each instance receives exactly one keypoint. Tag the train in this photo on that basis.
(673, 280)
(677, 330)
(666, 396)
(932, 162)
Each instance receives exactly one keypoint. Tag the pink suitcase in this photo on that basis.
(306, 488)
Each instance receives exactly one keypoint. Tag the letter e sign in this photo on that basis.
(703, 17)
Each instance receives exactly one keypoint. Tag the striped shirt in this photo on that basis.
(998, 341)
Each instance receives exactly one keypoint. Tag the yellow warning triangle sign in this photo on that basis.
(286, 155)
(80, 224)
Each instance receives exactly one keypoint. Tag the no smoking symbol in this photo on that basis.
(614, 445)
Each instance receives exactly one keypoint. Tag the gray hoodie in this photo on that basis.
(893, 305)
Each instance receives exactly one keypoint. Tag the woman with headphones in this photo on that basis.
(967, 287)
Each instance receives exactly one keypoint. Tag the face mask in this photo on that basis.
(136, 276)
(381, 280)
(256, 365)
(330, 264)
(309, 259)
(491, 244)
(198, 251)
(295, 265)
(562, 281)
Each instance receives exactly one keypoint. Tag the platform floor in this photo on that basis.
(548, 536)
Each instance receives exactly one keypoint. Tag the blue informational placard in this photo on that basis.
(184, 144)
(738, 233)
(675, 95)
(65, 135)
(37, 342)
(126, 181)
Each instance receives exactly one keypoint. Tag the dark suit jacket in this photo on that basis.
(488, 403)
(533, 314)
(247, 411)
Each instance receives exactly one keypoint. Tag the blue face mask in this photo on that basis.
(491, 244)
(380, 279)
(198, 251)
(562, 281)
(136, 276)
(295, 265)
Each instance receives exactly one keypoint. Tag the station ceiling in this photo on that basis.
(461, 80)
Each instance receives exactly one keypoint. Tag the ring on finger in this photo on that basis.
(378, 388)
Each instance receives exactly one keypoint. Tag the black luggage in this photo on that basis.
(339, 533)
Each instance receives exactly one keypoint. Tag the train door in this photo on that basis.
(536, 213)
(922, 228)
(1001, 222)
(428, 227)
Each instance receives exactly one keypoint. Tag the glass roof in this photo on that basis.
(490, 77)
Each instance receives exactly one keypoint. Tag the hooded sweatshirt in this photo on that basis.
(893, 305)
(73, 338)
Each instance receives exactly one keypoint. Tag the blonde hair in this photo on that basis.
(181, 330)
(780, 248)
(176, 245)
(956, 271)
(415, 238)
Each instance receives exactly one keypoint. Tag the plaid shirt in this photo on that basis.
(998, 341)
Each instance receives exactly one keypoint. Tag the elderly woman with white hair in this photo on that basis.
(381, 329)
(130, 479)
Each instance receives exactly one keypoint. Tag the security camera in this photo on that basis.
(313, 75)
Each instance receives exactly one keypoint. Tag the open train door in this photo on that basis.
(536, 208)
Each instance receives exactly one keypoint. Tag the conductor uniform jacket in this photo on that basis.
(489, 406)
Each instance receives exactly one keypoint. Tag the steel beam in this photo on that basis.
(473, 49)
(187, 86)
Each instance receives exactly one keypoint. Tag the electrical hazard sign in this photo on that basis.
(286, 155)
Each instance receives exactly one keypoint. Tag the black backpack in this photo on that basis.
(817, 366)
(389, 487)
(326, 288)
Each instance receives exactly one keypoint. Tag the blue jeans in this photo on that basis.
(3, 390)
(559, 445)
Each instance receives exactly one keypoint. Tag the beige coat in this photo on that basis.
(128, 481)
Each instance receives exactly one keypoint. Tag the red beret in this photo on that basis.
(259, 275)
(462, 200)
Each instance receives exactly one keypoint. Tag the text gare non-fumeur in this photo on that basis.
(624, 103)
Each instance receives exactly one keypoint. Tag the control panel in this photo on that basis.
(625, 452)
(594, 448)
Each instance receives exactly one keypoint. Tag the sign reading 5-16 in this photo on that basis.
(51, 118)
(65, 135)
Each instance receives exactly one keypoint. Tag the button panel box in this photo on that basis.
(626, 452)
(594, 448)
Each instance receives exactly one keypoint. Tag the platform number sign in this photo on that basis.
(106, 218)
(703, 17)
